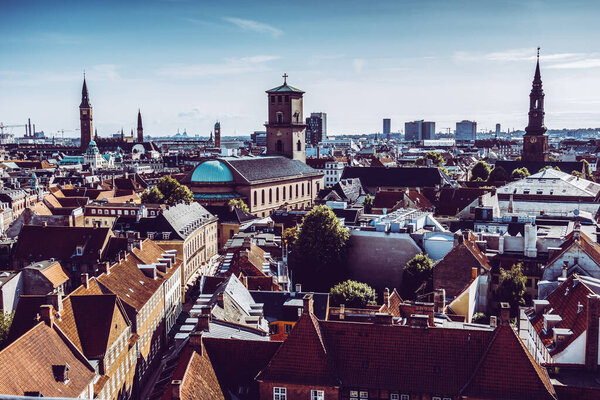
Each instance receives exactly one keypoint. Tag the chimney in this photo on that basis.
(307, 304)
(419, 321)
(474, 272)
(203, 321)
(386, 297)
(565, 269)
(439, 301)
(85, 280)
(176, 389)
(47, 314)
(342, 312)
(493, 321)
(592, 334)
(55, 300)
(298, 287)
(504, 313)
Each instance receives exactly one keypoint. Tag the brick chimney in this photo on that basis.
(196, 342)
(439, 301)
(342, 312)
(419, 321)
(176, 389)
(47, 314)
(386, 297)
(504, 313)
(55, 300)
(307, 304)
(592, 334)
(85, 280)
(203, 322)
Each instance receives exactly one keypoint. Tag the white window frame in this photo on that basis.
(317, 395)
(353, 394)
(279, 393)
(364, 394)
(404, 397)
(395, 396)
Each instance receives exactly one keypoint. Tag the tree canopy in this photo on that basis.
(480, 170)
(436, 159)
(511, 287)
(238, 203)
(168, 191)
(519, 173)
(319, 250)
(352, 294)
(417, 276)
(5, 323)
(498, 174)
(368, 203)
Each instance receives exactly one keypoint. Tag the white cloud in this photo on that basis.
(358, 64)
(231, 66)
(255, 26)
(580, 64)
(524, 54)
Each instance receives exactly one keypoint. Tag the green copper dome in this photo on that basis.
(212, 171)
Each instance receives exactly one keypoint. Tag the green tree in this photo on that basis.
(481, 318)
(238, 203)
(576, 173)
(319, 251)
(5, 322)
(519, 173)
(480, 170)
(368, 203)
(436, 159)
(417, 276)
(352, 294)
(152, 196)
(498, 174)
(587, 172)
(511, 287)
(172, 192)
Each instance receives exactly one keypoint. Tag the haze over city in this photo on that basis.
(186, 64)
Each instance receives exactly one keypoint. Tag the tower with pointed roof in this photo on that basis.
(85, 117)
(286, 130)
(140, 128)
(535, 140)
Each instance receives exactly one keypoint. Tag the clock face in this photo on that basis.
(279, 133)
(84, 112)
(533, 139)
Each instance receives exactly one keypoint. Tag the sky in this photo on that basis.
(187, 64)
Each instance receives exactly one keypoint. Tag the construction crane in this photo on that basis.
(62, 132)
(3, 127)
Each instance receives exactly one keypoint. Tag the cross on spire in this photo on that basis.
(538, 52)
(285, 78)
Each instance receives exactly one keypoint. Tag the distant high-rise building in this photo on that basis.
(316, 127)
(286, 131)
(85, 117)
(218, 135)
(466, 131)
(428, 130)
(387, 127)
(140, 128)
(498, 128)
(535, 140)
(419, 130)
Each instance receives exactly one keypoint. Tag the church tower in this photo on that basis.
(85, 117)
(535, 140)
(217, 135)
(286, 130)
(140, 128)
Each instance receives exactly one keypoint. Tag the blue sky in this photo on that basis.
(187, 64)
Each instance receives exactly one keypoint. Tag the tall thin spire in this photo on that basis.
(85, 100)
(537, 77)
(140, 128)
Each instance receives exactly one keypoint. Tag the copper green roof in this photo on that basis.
(284, 88)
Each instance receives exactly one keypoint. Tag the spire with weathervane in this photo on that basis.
(140, 128)
(535, 140)
(85, 116)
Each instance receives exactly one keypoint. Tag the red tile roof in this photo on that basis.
(26, 365)
(565, 301)
(508, 371)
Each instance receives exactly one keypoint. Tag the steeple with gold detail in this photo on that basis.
(535, 140)
(85, 117)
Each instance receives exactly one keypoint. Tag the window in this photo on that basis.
(283, 193)
(287, 98)
(126, 212)
(287, 329)
(290, 192)
(93, 211)
(436, 398)
(279, 393)
(263, 196)
(270, 196)
(272, 99)
(317, 394)
(394, 396)
(299, 146)
(255, 199)
(279, 146)
(405, 397)
(296, 190)
(279, 99)
(277, 195)
(353, 395)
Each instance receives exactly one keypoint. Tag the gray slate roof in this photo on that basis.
(183, 217)
(255, 169)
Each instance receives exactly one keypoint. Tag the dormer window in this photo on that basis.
(79, 250)
(61, 373)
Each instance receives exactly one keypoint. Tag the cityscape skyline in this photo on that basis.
(187, 65)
